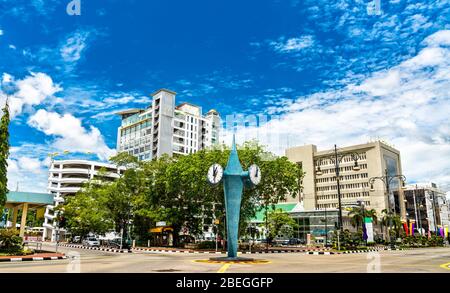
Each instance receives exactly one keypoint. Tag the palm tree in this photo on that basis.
(386, 219)
(357, 215)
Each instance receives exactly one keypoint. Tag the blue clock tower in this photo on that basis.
(234, 179)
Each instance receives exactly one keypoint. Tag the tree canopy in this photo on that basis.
(4, 154)
(175, 190)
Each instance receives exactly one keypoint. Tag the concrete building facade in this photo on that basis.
(164, 128)
(320, 192)
(427, 206)
(66, 177)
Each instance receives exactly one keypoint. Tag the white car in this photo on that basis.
(91, 242)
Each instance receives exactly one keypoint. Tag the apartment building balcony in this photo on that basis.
(106, 174)
(49, 217)
(179, 125)
(64, 189)
(179, 132)
(47, 225)
(70, 180)
(59, 200)
(179, 141)
(70, 170)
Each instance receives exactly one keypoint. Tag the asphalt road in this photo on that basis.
(90, 261)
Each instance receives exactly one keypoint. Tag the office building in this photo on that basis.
(320, 191)
(427, 206)
(164, 128)
(66, 177)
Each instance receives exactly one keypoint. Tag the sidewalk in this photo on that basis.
(33, 257)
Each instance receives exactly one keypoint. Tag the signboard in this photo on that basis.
(369, 229)
(160, 224)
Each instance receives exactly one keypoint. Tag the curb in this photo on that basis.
(96, 248)
(20, 259)
(353, 251)
(213, 252)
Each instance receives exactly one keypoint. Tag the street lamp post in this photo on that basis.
(326, 228)
(363, 208)
(433, 199)
(386, 179)
(336, 159)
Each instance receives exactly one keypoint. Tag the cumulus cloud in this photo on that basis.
(32, 165)
(26, 174)
(28, 92)
(70, 134)
(407, 105)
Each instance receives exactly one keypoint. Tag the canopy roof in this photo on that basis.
(286, 207)
(14, 198)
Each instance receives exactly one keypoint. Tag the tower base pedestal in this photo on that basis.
(232, 259)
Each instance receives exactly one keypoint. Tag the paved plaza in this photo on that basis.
(427, 260)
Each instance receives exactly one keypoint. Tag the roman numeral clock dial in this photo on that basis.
(255, 174)
(215, 174)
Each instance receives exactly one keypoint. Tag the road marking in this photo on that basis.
(446, 266)
(224, 268)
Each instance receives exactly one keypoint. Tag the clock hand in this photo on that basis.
(257, 172)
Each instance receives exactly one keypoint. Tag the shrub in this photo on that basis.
(207, 245)
(10, 241)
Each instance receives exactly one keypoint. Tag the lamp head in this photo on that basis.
(319, 171)
(403, 184)
(356, 167)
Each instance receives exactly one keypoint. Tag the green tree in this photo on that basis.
(388, 219)
(4, 154)
(86, 212)
(280, 222)
(180, 194)
(175, 190)
(357, 215)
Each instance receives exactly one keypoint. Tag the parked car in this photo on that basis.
(76, 239)
(113, 243)
(91, 242)
(294, 241)
(281, 241)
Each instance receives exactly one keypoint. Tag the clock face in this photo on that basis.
(215, 174)
(255, 174)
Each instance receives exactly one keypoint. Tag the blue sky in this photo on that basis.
(325, 72)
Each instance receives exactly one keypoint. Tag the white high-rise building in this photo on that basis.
(66, 177)
(164, 128)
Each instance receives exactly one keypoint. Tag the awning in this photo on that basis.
(287, 207)
(161, 229)
(15, 198)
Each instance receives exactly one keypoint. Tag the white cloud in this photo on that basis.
(6, 78)
(30, 91)
(118, 99)
(122, 100)
(407, 105)
(292, 44)
(26, 173)
(70, 134)
(32, 165)
(440, 38)
(74, 46)
(1, 32)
